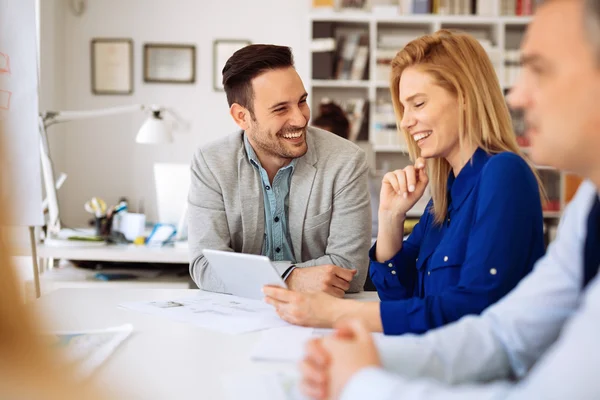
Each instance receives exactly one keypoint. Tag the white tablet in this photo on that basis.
(244, 275)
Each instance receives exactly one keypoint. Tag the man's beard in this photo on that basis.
(275, 147)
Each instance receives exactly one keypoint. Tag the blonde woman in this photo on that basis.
(28, 368)
(483, 228)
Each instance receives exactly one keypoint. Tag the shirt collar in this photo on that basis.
(459, 187)
(253, 158)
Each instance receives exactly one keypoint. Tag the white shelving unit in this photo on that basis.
(503, 32)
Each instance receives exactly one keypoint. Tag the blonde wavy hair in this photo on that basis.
(458, 63)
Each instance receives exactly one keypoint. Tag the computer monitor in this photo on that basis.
(172, 182)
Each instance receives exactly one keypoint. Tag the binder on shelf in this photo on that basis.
(323, 45)
(421, 7)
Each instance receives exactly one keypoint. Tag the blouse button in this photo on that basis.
(390, 265)
(493, 271)
(445, 258)
(393, 272)
(428, 272)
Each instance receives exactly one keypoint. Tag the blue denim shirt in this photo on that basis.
(277, 244)
(492, 236)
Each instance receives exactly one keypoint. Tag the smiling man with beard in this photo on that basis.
(279, 188)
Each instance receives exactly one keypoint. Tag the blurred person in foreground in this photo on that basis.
(29, 368)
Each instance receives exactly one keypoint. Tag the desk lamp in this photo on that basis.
(153, 131)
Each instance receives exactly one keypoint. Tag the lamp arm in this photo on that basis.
(54, 117)
(185, 125)
(53, 225)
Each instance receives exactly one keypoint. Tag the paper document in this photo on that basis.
(215, 311)
(266, 386)
(285, 344)
(289, 343)
(88, 348)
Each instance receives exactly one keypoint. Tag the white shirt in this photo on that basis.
(542, 341)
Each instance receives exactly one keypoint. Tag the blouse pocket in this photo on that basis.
(444, 268)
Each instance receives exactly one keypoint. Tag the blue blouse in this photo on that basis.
(492, 236)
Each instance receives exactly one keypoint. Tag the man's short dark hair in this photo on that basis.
(248, 63)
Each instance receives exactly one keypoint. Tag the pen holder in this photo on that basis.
(102, 226)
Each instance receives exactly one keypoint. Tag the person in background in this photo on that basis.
(483, 228)
(333, 119)
(541, 340)
(278, 187)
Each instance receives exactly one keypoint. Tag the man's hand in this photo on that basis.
(331, 362)
(330, 279)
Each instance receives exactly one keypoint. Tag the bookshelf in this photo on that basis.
(500, 34)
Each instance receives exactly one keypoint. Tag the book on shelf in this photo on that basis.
(517, 7)
(361, 59)
(348, 50)
(439, 7)
(323, 3)
(383, 64)
(485, 8)
(357, 112)
(446, 7)
(512, 66)
(406, 7)
(421, 7)
(353, 4)
(339, 54)
(468, 7)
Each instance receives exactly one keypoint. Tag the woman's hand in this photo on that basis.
(401, 189)
(318, 309)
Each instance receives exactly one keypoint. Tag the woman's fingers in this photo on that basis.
(401, 177)
(391, 179)
(411, 178)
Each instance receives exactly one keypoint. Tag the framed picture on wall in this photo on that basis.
(223, 49)
(112, 66)
(169, 63)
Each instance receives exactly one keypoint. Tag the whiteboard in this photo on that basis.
(20, 176)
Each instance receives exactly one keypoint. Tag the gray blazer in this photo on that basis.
(329, 211)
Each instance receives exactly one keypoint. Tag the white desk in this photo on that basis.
(119, 253)
(52, 279)
(162, 359)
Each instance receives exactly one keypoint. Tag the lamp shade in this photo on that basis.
(154, 130)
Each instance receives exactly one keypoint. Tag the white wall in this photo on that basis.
(100, 156)
(52, 71)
